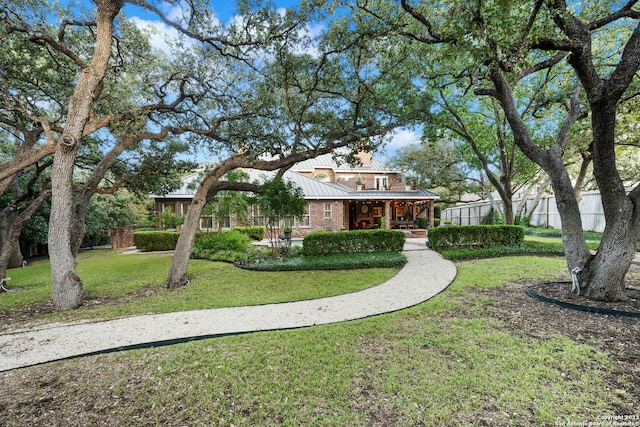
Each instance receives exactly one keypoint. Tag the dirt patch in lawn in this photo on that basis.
(560, 292)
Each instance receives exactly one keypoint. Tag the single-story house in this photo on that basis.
(340, 197)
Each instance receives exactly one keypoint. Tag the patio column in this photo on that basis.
(387, 214)
(432, 204)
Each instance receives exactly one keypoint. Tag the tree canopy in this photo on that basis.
(568, 64)
(515, 87)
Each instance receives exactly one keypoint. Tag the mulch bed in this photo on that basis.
(561, 291)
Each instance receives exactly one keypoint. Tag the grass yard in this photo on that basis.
(118, 284)
(480, 353)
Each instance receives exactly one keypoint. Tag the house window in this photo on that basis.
(185, 207)
(305, 222)
(321, 176)
(381, 183)
(206, 223)
(256, 216)
(327, 211)
(169, 207)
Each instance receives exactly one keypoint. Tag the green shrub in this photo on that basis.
(208, 244)
(254, 232)
(556, 232)
(475, 236)
(436, 222)
(423, 222)
(171, 220)
(355, 241)
(461, 254)
(329, 262)
(155, 240)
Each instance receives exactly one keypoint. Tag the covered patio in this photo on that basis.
(408, 210)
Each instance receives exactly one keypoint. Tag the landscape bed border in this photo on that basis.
(579, 307)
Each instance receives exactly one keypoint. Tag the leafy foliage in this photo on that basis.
(556, 232)
(329, 262)
(209, 243)
(355, 241)
(281, 200)
(280, 203)
(156, 240)
(437, 166)
(110, 210)
(254, 232)
(475, 236)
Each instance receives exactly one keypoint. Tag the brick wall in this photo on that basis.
(122, 237)
(317, 221)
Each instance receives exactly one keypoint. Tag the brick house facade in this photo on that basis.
(336, 201)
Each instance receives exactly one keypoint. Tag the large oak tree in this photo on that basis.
(245, 92)
(505, 47)
(316, 96)
(66, 88)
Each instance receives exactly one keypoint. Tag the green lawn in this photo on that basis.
(129, 284)
(445, 362)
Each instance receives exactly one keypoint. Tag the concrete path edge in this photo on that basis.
(425, 275)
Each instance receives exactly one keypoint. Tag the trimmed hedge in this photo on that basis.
(156, 240)
(480, 236)
(254, 232)
(355, 241)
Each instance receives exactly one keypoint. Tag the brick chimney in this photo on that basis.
(365, 158)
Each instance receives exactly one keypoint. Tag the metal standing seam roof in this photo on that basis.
(319, 190)
(325, 161)
(184, 191)
(312, 188)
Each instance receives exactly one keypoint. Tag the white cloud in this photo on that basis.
(177, 13)
(158, 32)
(312, 31)
(161, 34)
(401, 138)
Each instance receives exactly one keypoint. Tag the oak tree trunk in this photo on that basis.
(575, 247)
(11, 234)
(509, 217)
(180, 262)
(67, 287)
(10, 254)
(603, 276)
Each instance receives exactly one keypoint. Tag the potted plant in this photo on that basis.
(359, 184)
(287, 230)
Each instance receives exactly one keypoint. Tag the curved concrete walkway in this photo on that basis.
(425, 275)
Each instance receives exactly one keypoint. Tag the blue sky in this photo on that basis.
(225, 12)
(224, 9)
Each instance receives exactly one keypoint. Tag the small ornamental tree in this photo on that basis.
(230, 203)
(281, 202)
